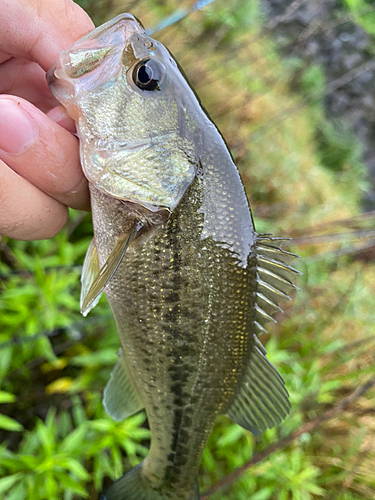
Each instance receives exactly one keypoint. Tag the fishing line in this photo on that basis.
(177, 16)
(265, 31)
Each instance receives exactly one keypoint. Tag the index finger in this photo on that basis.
(37, 30)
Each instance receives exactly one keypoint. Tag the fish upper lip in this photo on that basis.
(125, 23)
(110, 24)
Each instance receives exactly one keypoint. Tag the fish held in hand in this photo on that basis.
(189, 281)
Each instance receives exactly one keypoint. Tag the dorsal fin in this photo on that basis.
(261, 400)
(274, 277)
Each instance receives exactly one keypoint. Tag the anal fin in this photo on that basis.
(262, 400)
(120, 398)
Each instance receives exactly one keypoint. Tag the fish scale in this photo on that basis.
(187, 277)
(163, 292)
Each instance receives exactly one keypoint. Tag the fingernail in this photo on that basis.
(17, 129)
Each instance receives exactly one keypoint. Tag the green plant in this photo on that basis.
(57, 443)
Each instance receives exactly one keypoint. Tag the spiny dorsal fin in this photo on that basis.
(99, 280)
(274, 279)
(262, 400)
(120, 397)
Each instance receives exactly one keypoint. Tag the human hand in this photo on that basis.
(40, 172)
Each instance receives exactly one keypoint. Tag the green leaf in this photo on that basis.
(71, 484)
(232, 435)
(102, 424)
(75, 439)
(95, 359)
(51, 486)
(18, 492)
(7, 397)
(263, 494)
(75, 468)
(7, 482)
(9, 424)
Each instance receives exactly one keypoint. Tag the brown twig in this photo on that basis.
(289, 11)
(307, 427)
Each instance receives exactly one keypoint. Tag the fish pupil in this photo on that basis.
(147, 75)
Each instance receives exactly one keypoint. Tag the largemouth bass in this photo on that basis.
(189, 281)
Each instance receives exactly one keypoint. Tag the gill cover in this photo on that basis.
(133, 110)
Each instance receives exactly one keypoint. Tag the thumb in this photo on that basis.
(38, 30)
(42, 152)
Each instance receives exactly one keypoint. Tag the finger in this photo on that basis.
(27, 80)
(39, 30)
(26, 213)
(60, 116)
(42, 152)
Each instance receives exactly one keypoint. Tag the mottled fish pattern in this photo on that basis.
(189, 281)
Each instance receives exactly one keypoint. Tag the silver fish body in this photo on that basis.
(175, 250)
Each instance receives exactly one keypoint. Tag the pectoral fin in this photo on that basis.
(262, 400)
(94, 281)
(120, 398)
(90, 272)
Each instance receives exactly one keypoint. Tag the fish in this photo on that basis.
(189, 281)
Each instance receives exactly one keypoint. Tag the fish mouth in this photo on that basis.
(101, 46)
(50, 75)
(126, 23)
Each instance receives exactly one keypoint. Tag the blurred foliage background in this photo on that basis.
(305, 178)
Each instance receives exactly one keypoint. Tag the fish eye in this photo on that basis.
(148, 74)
